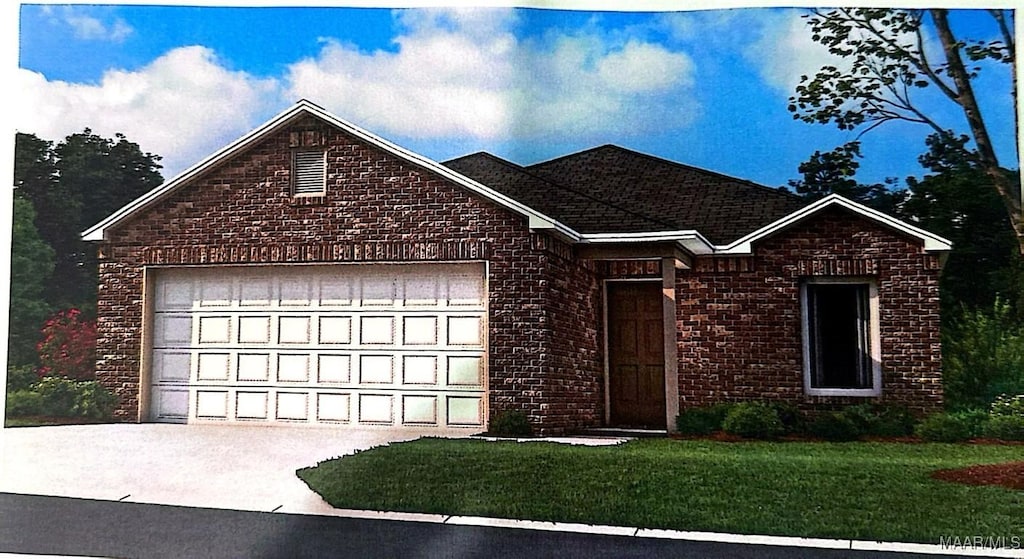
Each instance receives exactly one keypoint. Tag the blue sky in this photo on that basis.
(707, 88)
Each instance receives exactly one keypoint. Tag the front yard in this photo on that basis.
(863, 491)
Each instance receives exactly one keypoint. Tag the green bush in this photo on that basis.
(21, 377)
(944, 428)
(510, 423)
(793, 420)
(63, 397)
(1007, 406)
(22, 403)
(881, 420)
(753, 420)
(983, 356)
(1005, 427)
(974, 419)
(834, 426)
(702, 420)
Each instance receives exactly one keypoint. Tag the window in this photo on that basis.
(841, 338)
(309, 172)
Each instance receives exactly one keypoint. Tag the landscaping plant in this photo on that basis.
(753, 420)
(68, 347)
(702, 420)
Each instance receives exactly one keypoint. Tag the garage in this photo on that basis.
(358, 344)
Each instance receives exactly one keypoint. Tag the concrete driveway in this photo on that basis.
(232, 467)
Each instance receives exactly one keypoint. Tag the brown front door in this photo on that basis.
(636, 356)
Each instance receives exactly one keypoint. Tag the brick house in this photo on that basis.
(314, 273)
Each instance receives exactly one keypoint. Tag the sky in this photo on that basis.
(708, 88)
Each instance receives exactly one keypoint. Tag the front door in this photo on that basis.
(636, 356)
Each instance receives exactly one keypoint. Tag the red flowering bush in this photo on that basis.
(68, 347)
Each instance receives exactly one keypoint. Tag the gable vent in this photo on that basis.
(309, 172)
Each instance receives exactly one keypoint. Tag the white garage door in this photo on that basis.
(399, 345)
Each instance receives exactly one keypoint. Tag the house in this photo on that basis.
(314, 273)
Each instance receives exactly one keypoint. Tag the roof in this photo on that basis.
(722, 208)
(603, 195)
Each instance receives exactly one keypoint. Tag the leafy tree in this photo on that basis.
(834, 171)
(31, 267)
(889, 65)
(73, 186)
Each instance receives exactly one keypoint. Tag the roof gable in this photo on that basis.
(536, 219)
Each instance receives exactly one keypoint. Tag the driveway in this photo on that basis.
(231, 467)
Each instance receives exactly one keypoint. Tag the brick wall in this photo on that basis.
(740, 323)
(377, 208)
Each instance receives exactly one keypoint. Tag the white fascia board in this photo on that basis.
(692, 241)
(537, 220)
(931, 241)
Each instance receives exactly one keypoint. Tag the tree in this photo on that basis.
(889, 64)
(31, 267)
(948, 201)
(834, 171)
(73, 186)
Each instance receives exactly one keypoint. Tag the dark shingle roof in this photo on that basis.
(615, 190)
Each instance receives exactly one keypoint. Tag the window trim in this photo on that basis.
(294, 173)
(874, 337)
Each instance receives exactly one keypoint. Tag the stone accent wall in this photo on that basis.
(740, 321)
(377, 208)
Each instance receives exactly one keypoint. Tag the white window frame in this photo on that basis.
(295, 172)
(874, 338)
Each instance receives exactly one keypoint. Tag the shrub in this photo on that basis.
(793, 420)
(62, 397)
(510, 423)
(1005, 427)
(974, 419)
(753, 420)
(983, 356)
(881, 420)
(834, 426)
(21, 377)
(1008, 406)
(944, 428)
(702, 420)
(21, 403)
(68, 347)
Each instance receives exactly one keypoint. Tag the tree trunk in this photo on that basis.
(1008, 191)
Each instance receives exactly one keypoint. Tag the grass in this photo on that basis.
(864, 491)
(46, 420)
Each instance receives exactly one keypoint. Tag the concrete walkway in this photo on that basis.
(230, 467)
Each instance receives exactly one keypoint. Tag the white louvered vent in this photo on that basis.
(309, 172)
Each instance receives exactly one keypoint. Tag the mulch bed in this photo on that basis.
(1010, 474)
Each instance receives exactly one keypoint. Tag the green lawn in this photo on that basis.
(865, 491)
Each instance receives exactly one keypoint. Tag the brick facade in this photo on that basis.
(378, 208)
(740, 324)
(738, 319)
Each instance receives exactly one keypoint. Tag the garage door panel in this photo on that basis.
(214, 330)
(334, 368)
(253, 367)
(334, 407)
(335, 329)
(292, 406)
(346, 345)
(376, 408)
(213, 366)
(419, 370)
(293, 367)
(254, 329)
(251, 405)
(212, 404)
(419, 409)
(376, 369)
(171, 366)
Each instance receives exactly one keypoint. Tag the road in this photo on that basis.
(31, 524)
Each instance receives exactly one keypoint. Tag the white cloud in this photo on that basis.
(183, 106)
(459, 73)
(784, 51)
(89, 27)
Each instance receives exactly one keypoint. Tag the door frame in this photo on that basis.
(670, 348)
